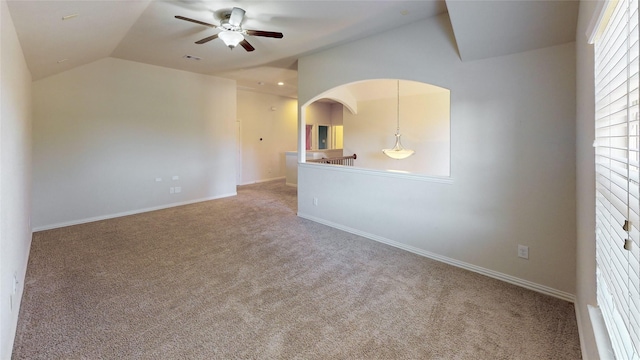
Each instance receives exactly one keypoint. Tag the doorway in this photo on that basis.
(323, 136)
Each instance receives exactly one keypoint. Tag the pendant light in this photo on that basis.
(398, 152)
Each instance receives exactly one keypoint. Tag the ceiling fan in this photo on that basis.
(232, 32)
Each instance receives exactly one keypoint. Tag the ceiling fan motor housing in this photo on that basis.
(224, 23)
(232, 19)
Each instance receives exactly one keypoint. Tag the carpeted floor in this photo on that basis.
(245, 278)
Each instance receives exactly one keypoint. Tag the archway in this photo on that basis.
(370, 116)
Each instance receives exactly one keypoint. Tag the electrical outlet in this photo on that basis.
(178, 189)
(523, 252)
(175, 177)
(158, 179)
(171, 190)
(315, 201)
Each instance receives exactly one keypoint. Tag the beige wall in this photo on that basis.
(274, 119)
(337, 116)
(318, 113)
(424, 125)
(512, 158)
(15, 177)
(104, 132)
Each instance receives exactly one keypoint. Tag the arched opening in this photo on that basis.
(368, 113)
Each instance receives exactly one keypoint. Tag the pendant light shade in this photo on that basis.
(398, 152)
(231, 38)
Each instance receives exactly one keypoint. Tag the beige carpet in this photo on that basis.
(244, 278)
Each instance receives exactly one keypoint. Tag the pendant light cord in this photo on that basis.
(398, 108)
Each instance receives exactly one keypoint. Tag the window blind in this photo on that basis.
(618, 178)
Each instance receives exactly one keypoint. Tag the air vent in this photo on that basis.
(191, 57)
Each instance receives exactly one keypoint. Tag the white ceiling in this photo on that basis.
(146, 31)
(485, 29)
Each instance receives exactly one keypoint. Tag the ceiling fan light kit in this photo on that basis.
(231, 38)
(232, 33)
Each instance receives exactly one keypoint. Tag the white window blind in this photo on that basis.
(617, 178)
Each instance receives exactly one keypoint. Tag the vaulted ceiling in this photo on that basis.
(59, 35)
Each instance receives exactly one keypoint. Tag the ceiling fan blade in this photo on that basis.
(207, 39)
(236, 17)
(271, 34)
(245, 44)
(194, 21)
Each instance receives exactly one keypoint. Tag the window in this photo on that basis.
(617, 177)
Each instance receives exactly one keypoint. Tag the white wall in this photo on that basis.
(337, 116)
(265, 159)
(15, 177)
(424, 125)
(103, 133)
(512, 158)
(585, 182)
(319, 113)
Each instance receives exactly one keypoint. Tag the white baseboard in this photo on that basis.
(127, 213)
(263, 180)
(480, 270)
